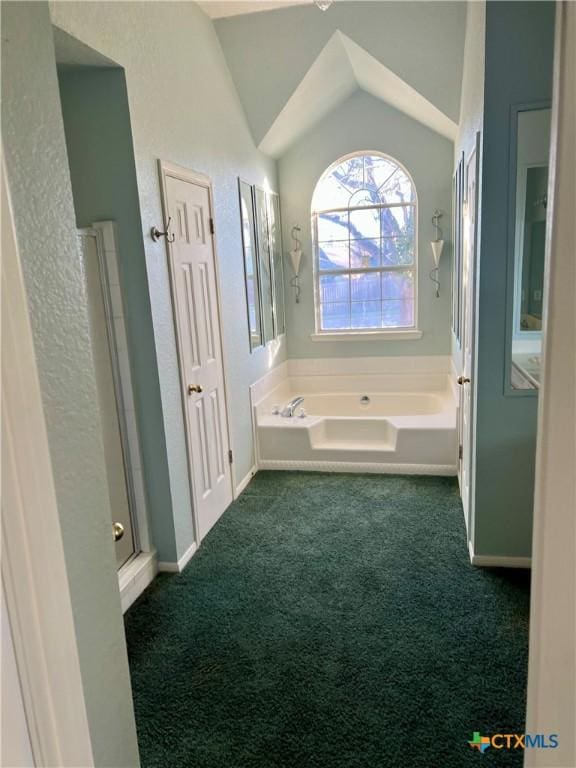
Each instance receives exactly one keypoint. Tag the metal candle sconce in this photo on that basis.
(295, 259)
(437, 246)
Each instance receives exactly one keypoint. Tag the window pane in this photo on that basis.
(334, 316)
(364, 197)
(333, 255)
(378, 170)
(366, 287)
(364, 223)
(397, 251)
(398, 189)
(364, 254)
(366, 314)
(332, 226)
(350, 174)
(398, 221)
(334, 288)
(398, 314)
(398, 285)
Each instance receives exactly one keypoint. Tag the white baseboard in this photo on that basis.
(349, 466)
(135, 576)
(167, 567)
(243, 483)
(497, 561)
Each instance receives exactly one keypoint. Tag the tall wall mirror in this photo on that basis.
(265, 266)
(531, 139)
(250, 262)
(275, 234)
(262, 244)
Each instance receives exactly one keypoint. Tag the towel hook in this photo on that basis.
(155, 233)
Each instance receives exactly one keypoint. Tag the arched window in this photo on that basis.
(364, 227)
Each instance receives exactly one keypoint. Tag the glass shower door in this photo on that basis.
(109, 396)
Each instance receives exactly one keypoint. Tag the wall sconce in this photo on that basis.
(295, 260)
(437, 246)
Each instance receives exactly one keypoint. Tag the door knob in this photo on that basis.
(194, 388)
(117, 531)
(463, 380)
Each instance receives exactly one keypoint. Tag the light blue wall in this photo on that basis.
(39, 182)
(269, 53)
(101, 157)
(365, 123)
(519, 54)
(184, 109)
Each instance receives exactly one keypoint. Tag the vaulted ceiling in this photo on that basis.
(292, 66)
(219, 9)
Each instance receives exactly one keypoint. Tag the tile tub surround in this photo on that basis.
(408, 427)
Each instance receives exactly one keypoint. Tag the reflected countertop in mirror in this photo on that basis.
(526, 370)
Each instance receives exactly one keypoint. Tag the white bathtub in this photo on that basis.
(396, 432)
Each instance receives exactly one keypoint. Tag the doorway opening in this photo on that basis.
(98, 133)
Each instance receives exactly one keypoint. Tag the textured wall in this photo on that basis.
(472, 94)
(37, 171)
(99, 142)
(184, 109)
(364, 123)
(519, 54)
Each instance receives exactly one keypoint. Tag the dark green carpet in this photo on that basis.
(331, 621)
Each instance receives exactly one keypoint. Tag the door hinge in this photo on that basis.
(211, 221)
(230, 457)
(460, 451)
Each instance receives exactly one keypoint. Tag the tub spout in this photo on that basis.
(288, 410)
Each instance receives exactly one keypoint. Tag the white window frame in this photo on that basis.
(360, 334)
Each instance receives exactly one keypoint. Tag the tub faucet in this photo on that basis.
(288, 410)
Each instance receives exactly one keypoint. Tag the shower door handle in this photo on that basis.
(117, 531)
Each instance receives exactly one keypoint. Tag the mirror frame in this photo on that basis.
(277, 262)
(511, 256)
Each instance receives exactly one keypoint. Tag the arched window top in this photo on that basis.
(363, 179)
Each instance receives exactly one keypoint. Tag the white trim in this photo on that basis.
(551, 694)
(33, 563)
(497, 561)
(135, 576)
(168, 567)
(244, 482)
(442, 470)
(410, 335)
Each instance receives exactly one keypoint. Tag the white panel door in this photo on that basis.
(468, 293)
(195, 296)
